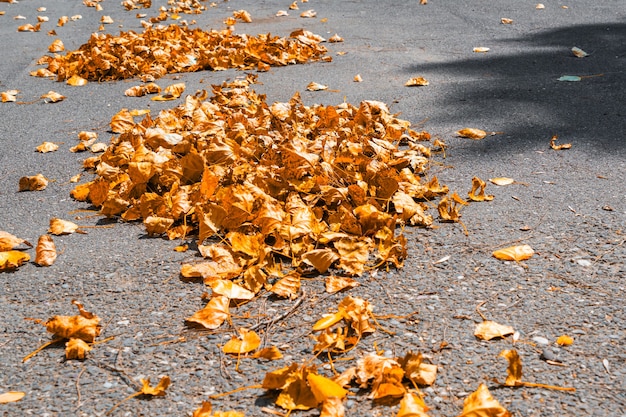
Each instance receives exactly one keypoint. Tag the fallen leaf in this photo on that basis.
(35, 183)
(570, 78)
(46, 251)
(416, 370)
(308, 13)
(313, 86)
(62, 227)
(13, 259)
(171, 92)
(212, 316)
(9, 242)
(540, 6)
(294, 6)
(242, 15)
(282, 13)
(335, 284)
(514, 253)
(556, 147)
(514, 370)
(52, 97)
(579, 53)
(487, 330)
(106, 20)
(85, 326)
(412, 405)
(76, 81)
(481, 403)
(9, 96)
(56, 46)
(471, 133)
(335, 38)
(324, 388)
(11, 397)
(231, 290)
(564, 340)
(271, 353)
(477, 193)
(357, 78)
(506, 21)
(416, 82)
(47, 147)
(205, 411)
(501, 181)
(481, 49)
(76, 349)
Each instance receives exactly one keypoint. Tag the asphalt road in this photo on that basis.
(568, 205)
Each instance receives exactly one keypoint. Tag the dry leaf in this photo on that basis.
(481, 403)
(282, 13)
(9, 96)
(106, 20)
(384, 375)
(477, 193)
(308, 13)
(506, 21)
(514, 371)
(288, 286)
(556, 147)
(514, 253)
(357, 78)
(313, 86)
(579, 53)
(488, 330)
(9, 242)
(46, 251)
(231, 290)
(52, 97)
(35, 183)
(47, 147)
(56, 46)
(11, 397)
(212, 316)
(242, 15)
(481, 49)
(333, 407)
(335, 284)
(205, 411)
(76, 349)
(13, 259)
(85, 326)
(416, 82)
(171, 92)
(324, 388)
(76, 81)
(158, 390)
(416, 370)
(294, 6)
(335, 38)
(472, 133)
(271, 353)
(564, 340)
(501, 181)
(540, 6)
(62, 227)
(412, 405)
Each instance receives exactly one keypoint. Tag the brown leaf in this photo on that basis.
(514, 253)
(76, 81)
(122, 121)
(213, 315)
(85, 326)
(288, 286)
(313, 86)
(47, 147)
(46, 251)
(477, 193)
(514, 371)
(335, 284)
(271, 353)
(556, 147)
(9, 96)
(35, 183)
(231, 290)
(412, 405)
(247, 341)
(242, 15)
(158, 390)
(480, 403)
(56, 46)
(320, 259)
(76, 348)
(487, 330)
(416, 82)
(417, 371)
(9, 242)
(52, 97)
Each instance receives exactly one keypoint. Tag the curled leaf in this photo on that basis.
(472, 133)
(514, 253)
(35, 183)
(13, 259)
(488, 330)
(46, 251)
(416, 82)
(46, 147)
(62, 227)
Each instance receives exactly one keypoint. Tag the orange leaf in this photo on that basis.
(85, 326)
(514, 371)
(213, 315)
(488, 330)
(320, 259)
(416, 82)
(13, 259)
(271, 353)
(35, 183)
(76, 349)
(231, 290)
(412, 405)
(564, 340)
(472, 133)
(477, 192)
(46, 251)
(324, 388)
(46, 147)
(335, 284)
(62, 227)
(288, 286)
(157, 391)
(480, 403)
(9, 242)
(514, 253)
(247, 342)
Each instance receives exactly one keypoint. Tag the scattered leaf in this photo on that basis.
(56, 46)
(514, 253)
(335, 38)
(481, 403)
(556, 147)
(416, 82)
(335, 284)
(313, 86)
(9, 96)
(52, 97)
(481, 49)
(501, 181)
(12, 259)
(564, 340)
(324, 388)
(412, 405)
(540, 6)
(46, 147)
(76, 81)
(106, 20)
(9, 242)
(308, 13)
(212, 316)
(506, 21)
(242, 15)
(477, 193)
(46, 251)
(471, 133)
(62, 227)
(76, 349)
(357, 78)
(579, 53)
(35, 183)
(488, 330)
(11, 397)
(271, 353)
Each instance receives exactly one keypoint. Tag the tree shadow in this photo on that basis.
(519, 93)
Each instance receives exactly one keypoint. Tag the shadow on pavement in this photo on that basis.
(520, 93)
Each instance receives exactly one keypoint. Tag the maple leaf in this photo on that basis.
(85, 326)
(213, 315)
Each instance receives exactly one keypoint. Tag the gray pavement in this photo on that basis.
(572, 201)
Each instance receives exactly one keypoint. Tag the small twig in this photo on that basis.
(273, 321)
(223, 394)
(78, 387)
(42, 347)
(482, 316)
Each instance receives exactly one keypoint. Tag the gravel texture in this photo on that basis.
(571, 202)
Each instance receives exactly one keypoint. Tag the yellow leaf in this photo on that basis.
(556, 147)
(231, 290)
(417, 371)
(13, 259)
(477, 193)
(564, 340)
(472, 133)
(335, 38)
(242, 15)
(271, 353)
(11, 397)
(52, 97)
(157, 391)
(248, 341)
(122, 121)
(514, 370)
(488, 330)
(47, 147)
(412, 405)
(9, 96)
(480, 403)
(514, 253)
(308, 13)
(76, 81)
(328, 320)
(171, 92)
(46, 251)
(205, 411)
(56, 46)
(335, 284)
(324, 388)
(506, 21)
(416, 82)
(288, 286)
(357, 78)
(320, 259)
(333, 407)
(313, 86)
(501, 181)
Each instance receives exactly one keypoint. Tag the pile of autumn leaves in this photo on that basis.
(161, 50)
